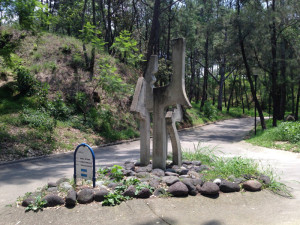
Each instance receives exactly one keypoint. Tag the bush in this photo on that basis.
(37, 119)
(25, 81)
(209, 110)
(58, 108)
(289, 131)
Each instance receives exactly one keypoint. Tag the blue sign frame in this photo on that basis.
(93, 154)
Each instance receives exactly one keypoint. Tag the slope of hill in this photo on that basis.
(48, 100)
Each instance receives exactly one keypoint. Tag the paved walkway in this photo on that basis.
(238, 208)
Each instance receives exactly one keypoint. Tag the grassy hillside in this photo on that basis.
(64, 106)
(50, 103)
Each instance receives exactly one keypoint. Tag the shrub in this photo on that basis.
(77, 61)
(37, 119)
(25, 81)
(58, 108)
(289, 131)
(209, 110)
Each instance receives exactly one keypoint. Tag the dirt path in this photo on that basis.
(238, 208)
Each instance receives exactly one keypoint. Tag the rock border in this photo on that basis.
(175, 181)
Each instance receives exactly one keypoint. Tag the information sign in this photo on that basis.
(84, 163)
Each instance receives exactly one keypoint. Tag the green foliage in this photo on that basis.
(25, 81)
(82, 103)
(237, 166)
(132, 181)
(108, 79)
(205, 154)
(285, 136)
(113, 199)
(37, 119)
(58, 108)
(42, 94)
(89, 34)
(164, 72)
(140, 186)
(31, 14)
(66, 49)
(289, 131)
(77, 61)
(9, 42)
(38, 204)
(126, 48)
(209, 110)
(116, 172)
(102, 171)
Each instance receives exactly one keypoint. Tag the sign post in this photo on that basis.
(84, 163)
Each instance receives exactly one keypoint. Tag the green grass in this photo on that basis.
(285, 136)
(237, 167)
(210, 113)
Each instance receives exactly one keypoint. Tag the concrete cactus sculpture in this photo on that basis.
(148, 99)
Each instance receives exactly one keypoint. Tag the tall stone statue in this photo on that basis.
(150, 99)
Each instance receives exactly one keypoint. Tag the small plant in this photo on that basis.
(58, 108)
(209, 110)
(140, 186)
(66, 49)
(25, 81)
(113, 199)
(38, 204)
(116, 172)
(42, 94)
(132, 181)
(103, 171)
(37, 119)
(126, 48)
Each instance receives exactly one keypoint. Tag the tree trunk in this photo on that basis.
(246, 95)
(205, 76)
(198, 87)
(297, 104)
(109, 30)
(293, 95)
(92, 63)
(274, 69)
(221, 83)
(82, 27)
(225, 93)
(192, 81)
(283, 80)
(248, 71)
(231, 93)
(154, 33)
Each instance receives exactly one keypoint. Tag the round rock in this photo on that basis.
(52, 189)
(61, 180)
(53, 200)
(143, 175)
(52, 184)
(169, 180)
(178, 189)
(26, 202)
(71, 198)
(154, 183)
(265, 179)
(65, 186)
(252, 185)
(158, 172)
(208, 188)
(85, 196)
(99, 195)
(130, 192)
(159, 192)
(227, 186)
(217, 181)
(144, 193)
